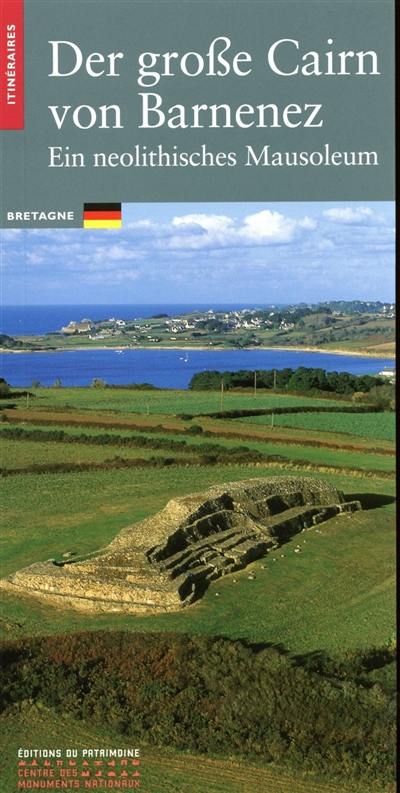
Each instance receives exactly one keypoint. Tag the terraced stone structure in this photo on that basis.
(167, 561)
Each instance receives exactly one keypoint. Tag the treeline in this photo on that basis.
(302, 379)
(213, 696)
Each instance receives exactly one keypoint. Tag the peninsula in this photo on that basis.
(354, 327)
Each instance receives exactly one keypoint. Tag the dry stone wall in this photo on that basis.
(167, 560)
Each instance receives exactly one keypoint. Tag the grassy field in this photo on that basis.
(368, 425)
(318, 456)
(49, 514)
(337, 594)
(20, 452)
(170, 772)
(162, 401)
(25, 453)
(334, 596)
(240, 429)
(94, 423)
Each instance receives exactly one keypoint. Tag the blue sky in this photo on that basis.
(210, 252)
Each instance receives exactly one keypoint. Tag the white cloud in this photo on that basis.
(9, 234)
(146, 223)
(35, 258)
(221, 250)
(325, 245)
(117, 253)
(215, 224)
(267, 226)
(197, 231)
(349, 215)
(112, 277)
(308, 223)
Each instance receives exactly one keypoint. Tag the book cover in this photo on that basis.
(197, 395)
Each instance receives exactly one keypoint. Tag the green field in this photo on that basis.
(336, 596)
(163, 401)
(161, 770)
(316, 456)
(26, 453)
(368, 425)
(340, 595)
(48, 514)
(20, 452)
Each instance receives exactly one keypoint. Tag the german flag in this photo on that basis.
(102, 216)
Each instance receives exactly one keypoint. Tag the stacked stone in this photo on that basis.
(168, 560)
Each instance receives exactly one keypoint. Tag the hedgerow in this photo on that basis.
(245, 412)
(211, 695)
(108, 439)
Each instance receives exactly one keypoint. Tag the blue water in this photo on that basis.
(165, 368)
(34, 320)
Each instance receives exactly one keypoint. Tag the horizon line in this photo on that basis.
(206, 303)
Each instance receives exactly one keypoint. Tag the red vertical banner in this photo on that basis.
(11, 64)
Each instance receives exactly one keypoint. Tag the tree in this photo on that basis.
(382, 396)
(4, 388)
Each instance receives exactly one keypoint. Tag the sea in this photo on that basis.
(27, 320)
(161, 368)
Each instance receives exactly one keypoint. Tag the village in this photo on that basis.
(366, 325)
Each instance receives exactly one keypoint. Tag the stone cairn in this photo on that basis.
(168, 560)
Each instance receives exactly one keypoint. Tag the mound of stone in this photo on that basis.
(168, 560)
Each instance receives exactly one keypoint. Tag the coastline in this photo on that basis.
(321, 350)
